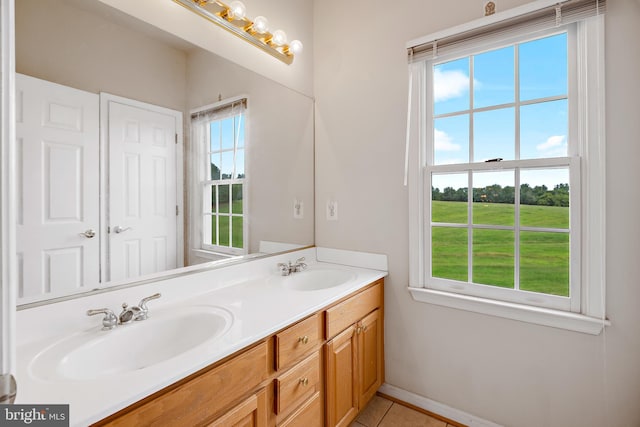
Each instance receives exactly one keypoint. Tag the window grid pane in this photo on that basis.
(544, 262)
(449, 253)
(494, 198)
(493, 257)
(494, 77)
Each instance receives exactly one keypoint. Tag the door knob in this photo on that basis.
(118, 229)
(89, 234)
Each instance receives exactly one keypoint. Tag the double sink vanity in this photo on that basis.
(239, 345)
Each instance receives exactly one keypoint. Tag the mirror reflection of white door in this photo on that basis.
(57, 188)
(142, 199)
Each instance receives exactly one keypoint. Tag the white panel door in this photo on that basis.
(142, 190)
(57, 187)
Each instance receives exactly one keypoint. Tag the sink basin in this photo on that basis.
(128, 348)
(315, 279)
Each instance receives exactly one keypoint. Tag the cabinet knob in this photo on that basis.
(304, 339)
(358, 329)
(304, 381)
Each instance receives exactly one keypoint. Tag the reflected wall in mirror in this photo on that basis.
(87, 47)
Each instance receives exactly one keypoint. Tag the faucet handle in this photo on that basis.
(300, 264)
(143, 306)
(109, 321)
(145, 300)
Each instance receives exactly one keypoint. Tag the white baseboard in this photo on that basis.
(435, 407)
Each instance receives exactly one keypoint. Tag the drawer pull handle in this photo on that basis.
(304, 339)
(304, 381)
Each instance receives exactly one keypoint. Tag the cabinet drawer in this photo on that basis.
(349, 311)
(298, 384)
(309, 414)
(298, 340)
(197, 400)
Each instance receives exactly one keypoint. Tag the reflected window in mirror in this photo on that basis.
(219, 133)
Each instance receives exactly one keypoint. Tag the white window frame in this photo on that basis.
(572, 162)
(202, 186)
(585, 311)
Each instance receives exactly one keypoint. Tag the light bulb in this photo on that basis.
(295, 47)
(279, 37)
(260, 24)
(237, 10)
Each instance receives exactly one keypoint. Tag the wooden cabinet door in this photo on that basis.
(341, 374)
(252, 412)
(370, 357)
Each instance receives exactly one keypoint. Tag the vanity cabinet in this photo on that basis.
(354, 354)
(318, 371)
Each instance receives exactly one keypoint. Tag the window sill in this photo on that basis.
(536, 315)
(214, 256)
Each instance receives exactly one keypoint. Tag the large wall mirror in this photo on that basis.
(90, 78)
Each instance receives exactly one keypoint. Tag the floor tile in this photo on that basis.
(399, 415)
(374, 411)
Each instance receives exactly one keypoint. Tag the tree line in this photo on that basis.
(538, 195)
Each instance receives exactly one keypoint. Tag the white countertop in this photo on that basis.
(259, 308)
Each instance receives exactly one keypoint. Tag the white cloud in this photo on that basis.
(554, 145)
(449, 84)
(444, 142)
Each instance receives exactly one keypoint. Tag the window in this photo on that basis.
(220, 134)
(500, 122)
(507, 177)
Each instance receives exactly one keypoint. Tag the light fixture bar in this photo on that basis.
(218, 13)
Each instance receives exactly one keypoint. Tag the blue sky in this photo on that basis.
(222, 137)
(543, 126)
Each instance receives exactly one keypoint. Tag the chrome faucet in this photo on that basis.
(287, 269)
(136, 313)
(109, 321)
(127, 315)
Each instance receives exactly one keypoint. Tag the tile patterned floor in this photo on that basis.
(381, 412)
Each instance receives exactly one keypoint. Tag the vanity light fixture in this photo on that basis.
(232, 17)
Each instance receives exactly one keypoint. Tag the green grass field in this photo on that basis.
(544, 256)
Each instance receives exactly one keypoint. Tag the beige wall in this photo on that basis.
(280, 139)
(77, 48)
(509, 372)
